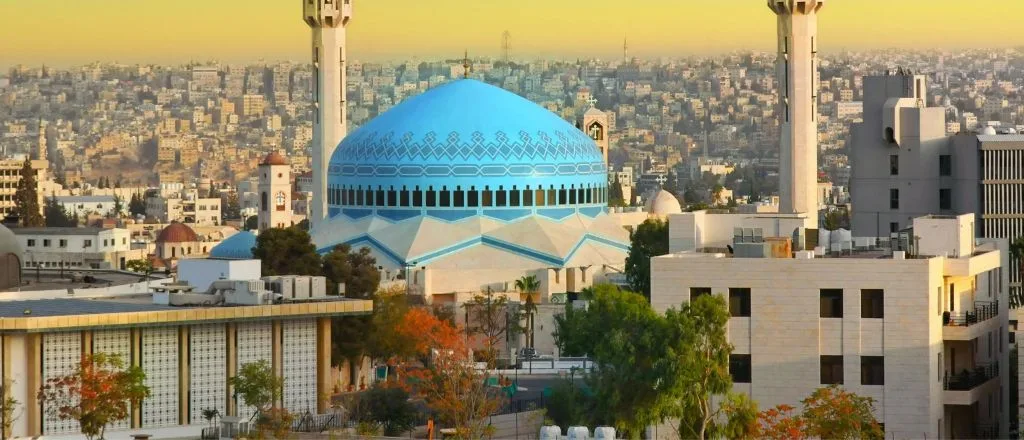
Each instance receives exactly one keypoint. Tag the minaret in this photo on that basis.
(798, 95)
(327, 19)
(275, 192)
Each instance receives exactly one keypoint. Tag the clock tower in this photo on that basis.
(275, 191)
(595, 125)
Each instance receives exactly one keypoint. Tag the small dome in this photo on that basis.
(9, 243)
(988, 131)
(235, 247)
(177, 233)
(663, 203)
(274, 158)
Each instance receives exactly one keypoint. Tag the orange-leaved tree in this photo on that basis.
(779, 423)
(96, 393)
(829, 412)
(444, 377)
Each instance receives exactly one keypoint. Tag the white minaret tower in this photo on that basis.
(798, 95)
(275, 189)
(327, 19)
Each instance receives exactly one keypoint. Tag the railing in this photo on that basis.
(967, 380)
(317, 422)
(983, 311)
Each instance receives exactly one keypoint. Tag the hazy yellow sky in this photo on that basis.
(62, 32)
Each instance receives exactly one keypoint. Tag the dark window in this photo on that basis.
(872, 303)
(590, 195)
(945, 165)
(486, 197)
(263, 201)
(572, 196)
(513, 197)
(417, 197)
(563, 198)
(446, 198)
(392, 197)
(528, 197)
(359, 197)
(831, 370)
(831, 303)
(472, 197)
(369, 197)
(380, 197)
(945, 198)
(739, 301)
(872, 370)
(501, 198)
(404, 195)
(698, 291)
(460, 197)
(552, 197)
(894, 227)
(894, 198)
(431, 197)
(894, 165)
(540, 197)
(739, 368)
(351, 196)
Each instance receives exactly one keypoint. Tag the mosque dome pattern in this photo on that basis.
(236, 247)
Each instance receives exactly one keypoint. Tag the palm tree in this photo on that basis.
(529, 285)
(1017, 255)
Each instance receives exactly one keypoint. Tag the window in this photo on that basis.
(460, 197)
(446, 198)
(392, 197)
(945, 165)
(894, 198)
(831, 370)
(528, 197)
(938, 299)
(404, 197)
(513, 197)
(894, 165)
(46, 242)
(431, 197)
(417, 197)
(739, 368)
(31, 243)
(472, 197)
(739, 302)
(87, 243)
(698, 291)
(872, 303)
(872, 370)
(940, 367)
(485, 197)
(831, 303)
(501, 197)
(945, 198)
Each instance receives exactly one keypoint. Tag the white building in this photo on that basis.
(85, 205)
(275, 192)
(94, 248)
(188, 206)
(923, 330)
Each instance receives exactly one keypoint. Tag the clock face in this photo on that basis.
(279, 199)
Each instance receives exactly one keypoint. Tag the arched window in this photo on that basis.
(404, 195)
(513, 197)
(351, 196)
(590, 194)
(572, 195)
(263, 201)
(562, 196)
(460, 197)
(446, 198)
(486, 196)
(359, 196)
(472, 197)
(417, 197)
(501, 199)
(369, 196)
(552, 196)
(380, 197)
(392, 197)
(527, 196)
(431, 197)
(579, 195)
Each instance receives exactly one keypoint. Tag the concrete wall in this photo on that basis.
(201, 272)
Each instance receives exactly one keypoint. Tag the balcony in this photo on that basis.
(969, 386)
(967, 325)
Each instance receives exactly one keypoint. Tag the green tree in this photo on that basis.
(287, 251)
(9, 408)
(529, 285)
(633, 379)
(357, 271)
(252, 223)
(568, 404)
(96, 393)
(650, 239)
(258, 385)
(137, 206)
(56, 215)
(615, 194)
(143, 266)
(118, 207)
(701, 352)
(387, 407)
(26, 198)
(232, 209)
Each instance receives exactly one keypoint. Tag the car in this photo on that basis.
(528, 353)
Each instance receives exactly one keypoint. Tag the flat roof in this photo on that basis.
(69, 230)
(72, 306)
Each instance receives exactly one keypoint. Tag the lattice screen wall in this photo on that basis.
(299, 357)
(207, 366)
(160, 362)
(253, 342)
(117, 342)
(61, 352)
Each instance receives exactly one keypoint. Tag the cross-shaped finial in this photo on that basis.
(592, 101)
(465, 65)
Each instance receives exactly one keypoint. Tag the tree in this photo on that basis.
(701, 348)
(232, 208)
(529, 285)
(287, 251)
(258, 385)
(779, 423)
(118, 207)
(388, 407)
(137, 206)
(56, 215)
(26, 199)
(357, 271)
(615, 194)
(649, 240)
(143, 266)
(488, 318)
(8, 408)
(95, 394)
(568, 404)
(252, 223)
(444, 378)
(835, 413)
(634, 374)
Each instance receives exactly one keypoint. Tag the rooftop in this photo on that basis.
(58, 231)
(69, 306)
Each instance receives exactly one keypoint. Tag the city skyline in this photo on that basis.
(110, 30)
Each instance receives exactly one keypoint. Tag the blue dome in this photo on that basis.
(235, 247)
(466, 135)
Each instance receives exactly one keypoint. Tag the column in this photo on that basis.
(277, 356)
(323, 365)
(183, 375)
(6, 375)
(231, 352)
(33, 411)
(87, 343)
(136, 343)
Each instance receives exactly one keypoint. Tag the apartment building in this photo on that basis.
(186, 206)
(918, 323)
(10, 176)
(90, 248)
